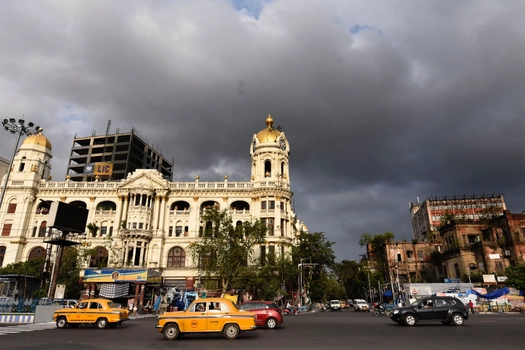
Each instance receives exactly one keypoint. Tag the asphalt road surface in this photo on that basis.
(322, 330)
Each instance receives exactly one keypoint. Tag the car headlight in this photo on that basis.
(396, 312)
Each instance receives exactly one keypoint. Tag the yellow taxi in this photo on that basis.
(101, 312)
(207, 315)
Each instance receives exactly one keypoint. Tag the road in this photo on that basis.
(323, 330)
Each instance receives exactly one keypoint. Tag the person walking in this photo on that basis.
(471, 306)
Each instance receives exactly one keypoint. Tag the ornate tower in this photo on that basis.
(272, 198)
(270, 155)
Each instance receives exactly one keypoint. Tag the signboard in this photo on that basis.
(103, 169)
(114, 275)
(60, 291)
(421, 290)
(494, 256)
(501, 278)
(489, 279)
(452, 280)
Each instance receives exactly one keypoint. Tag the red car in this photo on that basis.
(266, 313)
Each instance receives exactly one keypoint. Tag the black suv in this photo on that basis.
(445, 309)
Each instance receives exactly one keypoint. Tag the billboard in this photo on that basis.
(100, 168)
(67, 217)
(103, 169)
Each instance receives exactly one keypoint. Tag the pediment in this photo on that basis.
(144, 179)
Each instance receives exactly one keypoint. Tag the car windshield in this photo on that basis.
(112, 305)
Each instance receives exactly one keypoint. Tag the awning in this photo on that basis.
(492, 295)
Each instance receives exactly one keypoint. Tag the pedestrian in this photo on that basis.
(471, 306)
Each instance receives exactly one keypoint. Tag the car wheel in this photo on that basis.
(271, 322)
(231, 331)
(171, 331)
(62, 322)
(410, 320)
(457, 319)
(102, 323)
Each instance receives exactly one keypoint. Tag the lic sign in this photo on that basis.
(104, 169)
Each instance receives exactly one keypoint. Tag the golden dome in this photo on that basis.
(269, 134)
(38, 139)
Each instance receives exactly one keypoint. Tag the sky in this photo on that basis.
(382, 101)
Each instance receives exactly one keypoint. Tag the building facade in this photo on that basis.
(145, 220)
(461, 248)
(123, 152)
(426, 216)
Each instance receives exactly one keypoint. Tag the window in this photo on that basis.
(2, 255)
(36, 253)
(6, 231)
(141, 226)
(176, 257)
(103, 230)
(11, 208)
(170, 231)
(263, 205)
(271, 204)
(42, 229)
(178, 231)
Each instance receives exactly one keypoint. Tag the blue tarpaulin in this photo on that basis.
(492, 295)
(388, 293)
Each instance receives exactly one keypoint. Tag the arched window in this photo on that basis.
(176, 257)
(99, 257)
(267, 168)
(2, 255)
(36, 253)
(42, 229)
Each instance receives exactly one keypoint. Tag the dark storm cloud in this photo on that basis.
(381, 101)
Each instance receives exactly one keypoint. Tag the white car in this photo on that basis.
(335, 305)
(361, 305)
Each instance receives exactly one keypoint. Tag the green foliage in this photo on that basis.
(436, 258)
(93, 228)
(516, 276)
(446, 219)
(28, 268)
(68, 273)
(314, 248)
(224, 248)
(267, 282)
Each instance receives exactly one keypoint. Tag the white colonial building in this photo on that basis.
(145, 220)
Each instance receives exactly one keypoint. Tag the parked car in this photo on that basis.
(207, 315)
(102, 312)
(335, 305)
(361, 305)
(445, 309)
(267, 313)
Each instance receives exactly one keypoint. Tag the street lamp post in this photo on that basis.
(19, 128)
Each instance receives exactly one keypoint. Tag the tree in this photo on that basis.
(223, 248)
(516, 276)
(68, 273)
(314, 248)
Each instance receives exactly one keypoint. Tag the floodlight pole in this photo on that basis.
(18, 128)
